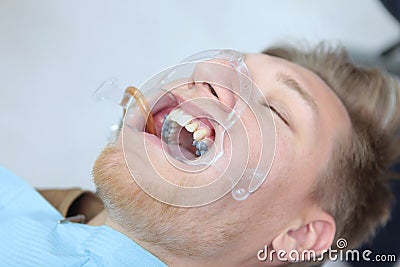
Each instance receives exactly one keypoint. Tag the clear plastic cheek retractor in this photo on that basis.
(198, 131)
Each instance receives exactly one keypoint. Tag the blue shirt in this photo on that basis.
(30, 234)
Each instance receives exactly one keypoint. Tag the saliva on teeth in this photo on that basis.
(179, 118)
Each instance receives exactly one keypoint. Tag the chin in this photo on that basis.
(203, 230)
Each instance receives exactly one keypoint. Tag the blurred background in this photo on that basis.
(54, 54)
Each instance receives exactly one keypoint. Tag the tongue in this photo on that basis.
(186, 140)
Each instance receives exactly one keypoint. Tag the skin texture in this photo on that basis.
(280, 214)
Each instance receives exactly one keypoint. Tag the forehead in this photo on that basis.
(332, 120)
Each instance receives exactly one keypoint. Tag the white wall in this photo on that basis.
(53, 54)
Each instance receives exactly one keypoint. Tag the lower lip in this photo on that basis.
(148, 139)
(152, 138)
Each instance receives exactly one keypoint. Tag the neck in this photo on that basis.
(99, 219)
(103, 219)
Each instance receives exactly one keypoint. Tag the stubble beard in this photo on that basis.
(195, 232)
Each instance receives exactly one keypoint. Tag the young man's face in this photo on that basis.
(309, 121)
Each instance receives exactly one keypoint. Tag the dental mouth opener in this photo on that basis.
(226, 69)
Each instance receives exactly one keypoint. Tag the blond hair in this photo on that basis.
(353, 189)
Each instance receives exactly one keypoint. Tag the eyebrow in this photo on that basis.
(293, 84)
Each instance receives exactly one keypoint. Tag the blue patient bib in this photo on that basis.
(31, 236)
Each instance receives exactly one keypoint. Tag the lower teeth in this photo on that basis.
(201, 147)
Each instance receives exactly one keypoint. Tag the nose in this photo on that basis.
(206, 93)
(215, 80)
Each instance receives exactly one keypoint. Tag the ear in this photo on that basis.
(316, 235)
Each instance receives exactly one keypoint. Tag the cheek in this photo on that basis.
(254, 138)
(283, 162)
(284, 192)
(284, 150)
(285, 178)
(290, 177)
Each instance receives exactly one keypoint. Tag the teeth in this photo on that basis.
(192, 127)
(173, 129)
(199, 134)
(168, 129)
(177, 118)
(174, 112)
(202, 147)
(183, 119)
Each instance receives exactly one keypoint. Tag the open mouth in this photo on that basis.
(194, 136)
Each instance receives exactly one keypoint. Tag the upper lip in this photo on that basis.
(174, 99)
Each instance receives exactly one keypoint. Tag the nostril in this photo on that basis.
(211, 88)
(191, 85)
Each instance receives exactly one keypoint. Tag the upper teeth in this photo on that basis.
(192, 127)
(181, 118)
(199, 134)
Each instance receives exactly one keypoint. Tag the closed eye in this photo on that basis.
(277, 113)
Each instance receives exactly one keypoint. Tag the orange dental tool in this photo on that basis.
(144, 107)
